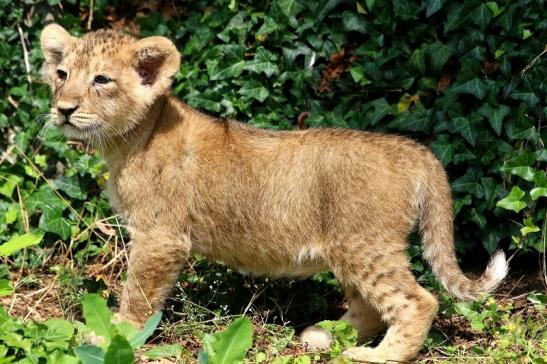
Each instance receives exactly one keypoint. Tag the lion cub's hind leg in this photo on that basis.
(362, 315)
(406, 307)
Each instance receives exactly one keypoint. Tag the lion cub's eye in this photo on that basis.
(101, 80)
(61, 74)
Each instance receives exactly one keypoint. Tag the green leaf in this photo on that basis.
(495, 115)
(290, 7)
(148, 329)
(5, 287)
(529, 227)
(225, 71)
(513, 200)
(438, 55)
(269, 26)
(232, 344)
(58, 330)
(528, 97)
(255, 90)
(524, 172)
(90, 354)
(469, 183)
(481, 16)
(52, 221)
(71, 186)
(475, 87)
(19, 242)
(443, 148)
(7, 185)
(463, 126)
(538, 192)
(119, 352)
(97, 315)
(164, 351)
(432, 7)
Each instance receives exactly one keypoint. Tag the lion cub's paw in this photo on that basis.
(367, 355)
(316, 339)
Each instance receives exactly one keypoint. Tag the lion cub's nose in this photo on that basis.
(67, 111)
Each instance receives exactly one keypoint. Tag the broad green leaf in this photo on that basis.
(52, 221)
(164, 351)
(97, 315)
(19, 242)
(524, 172)
(5, 288)
(58, 330)
(494, 8)
(148, 329)
(232, 344)
(71, 186)
(432, 7)
(443, 148)
(513, 200)
(438, 55)
(529, 227)
(119, 351)
(255, 90)
(44, 198)
(463, 126)
(8, 184)
(481, 16)
(528, 97)
(290, 7)
(469, 183)
(224, 71)
(459, 203)
(495, 115)
(269, 26)
(475, 87)
(90, 354)
(538, 192)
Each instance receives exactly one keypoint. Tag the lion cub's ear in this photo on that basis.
(54, 41)
(156, 60)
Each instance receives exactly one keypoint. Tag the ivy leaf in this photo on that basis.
(52, 221)
(290, 7)
(524, 172)
(469, 183)
(71, 186)
(528, 97)
(438, 54)
(463, 126)
(495, 115)
(538, 192)
(513, 200)
(443, 148)
(262, 63)
(481, 16)
(255, 90)
(19, 242)
(432, 7)
(475, 87)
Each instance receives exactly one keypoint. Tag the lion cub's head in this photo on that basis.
(105, 82)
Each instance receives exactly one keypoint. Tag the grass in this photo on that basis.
(508, 327)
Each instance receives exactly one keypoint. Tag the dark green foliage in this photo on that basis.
(449, 74)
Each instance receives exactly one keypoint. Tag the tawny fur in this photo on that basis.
(271, 203)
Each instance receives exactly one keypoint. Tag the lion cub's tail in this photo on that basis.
(437, 231)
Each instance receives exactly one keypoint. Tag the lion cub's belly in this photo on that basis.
(273, 262)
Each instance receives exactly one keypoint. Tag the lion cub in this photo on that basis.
(272, 203)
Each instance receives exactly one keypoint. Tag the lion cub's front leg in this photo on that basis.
(155, 260)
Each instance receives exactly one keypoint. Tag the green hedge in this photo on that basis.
(451, 74)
